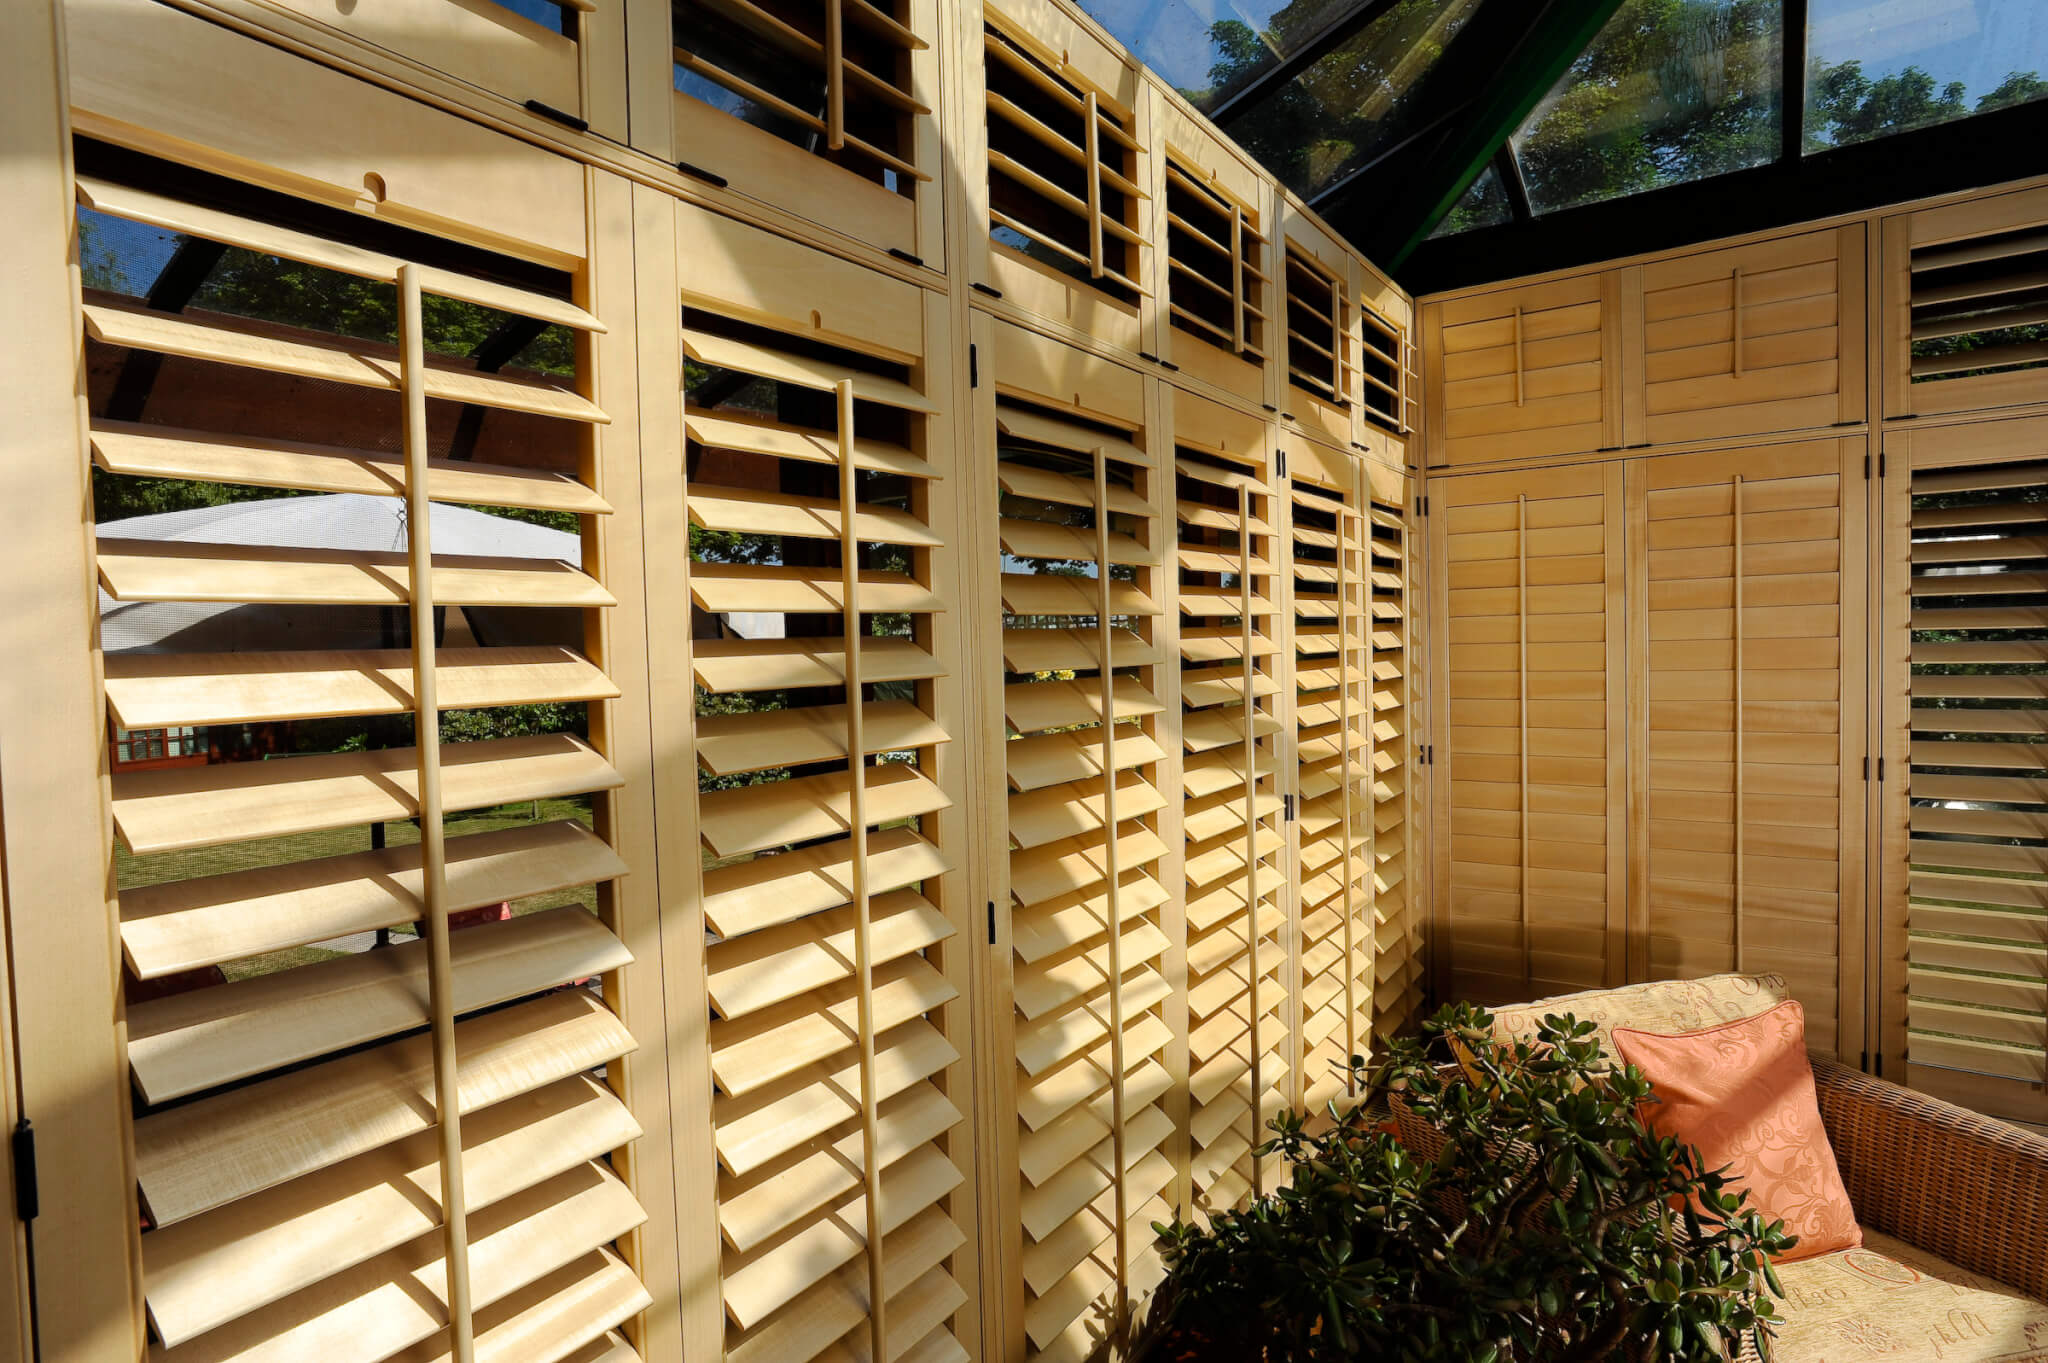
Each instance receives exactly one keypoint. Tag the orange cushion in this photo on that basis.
(1743, 1094)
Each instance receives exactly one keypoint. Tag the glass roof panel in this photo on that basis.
(1485, 205)
(1882, 66)
(1209, 49)
(1350, 105)
(1671, 90)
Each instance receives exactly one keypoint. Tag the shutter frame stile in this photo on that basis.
(1112, 873)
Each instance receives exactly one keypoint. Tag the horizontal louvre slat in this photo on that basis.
(752, 1131)
(366, 366)
(769, 891)
(749, 436)
(157, 690)
(750, 1053)
(140, 205)
(777, 664)
(745, 587)
(160, 570)
(748, 511)
(168, 810)
(1066, 435)
(762, 739)
(754, 818)
(190, 924)
(156, 452)
(723, 352)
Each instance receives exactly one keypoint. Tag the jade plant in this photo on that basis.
(1518, 1211)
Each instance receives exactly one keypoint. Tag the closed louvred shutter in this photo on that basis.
(1527, 793)
(1234, 867)
(833, 971)
(308, 1103)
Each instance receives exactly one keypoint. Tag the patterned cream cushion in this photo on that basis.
(1664, 1006)
(1890, 1303)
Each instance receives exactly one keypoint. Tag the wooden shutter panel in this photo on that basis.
(1240, 1056)
(1216, 285)
(1322, 363)
(1397, 909)
(1087, 981)
(1965, 993)
(295, 1196)
(1330, 591)
(1963, 309)
(765, 93)
(1749, 617)
(1765, 337)
(1525, 372)
(818, 573)
(1067, 205)
(1531, 787)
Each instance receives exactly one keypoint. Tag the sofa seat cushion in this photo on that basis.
(1666, 1006)
(1892, 1303)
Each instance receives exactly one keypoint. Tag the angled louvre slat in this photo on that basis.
(191, 924)
(754, 818)
(363, 366)
(724, 352)
(155, 690)
(776, 664)
(207, 1153)
(753, 436)
(749, 511)
(154, 452)
(156, 570)
(157, 811)
(209, 1037)
(768, 891)
(763, 739)
(726, 587)
(213, 1268)
(752, 1052)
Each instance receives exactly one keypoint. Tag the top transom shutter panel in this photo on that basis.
(1524, 372)
(1068, 213)
(1966, 653)
(1322, 342)
(766, 92)
(1528, 790)
(1217, 293)
(1239, 1051)
(818, 556)
(1966, 305)
(1753, 702)
(1766, 337)
(286, 1141)
(1330, 588)
(1081, 583)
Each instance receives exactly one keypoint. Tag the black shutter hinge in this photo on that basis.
(901, 254)
(549, 111)
(991, 922)
(1429, 754)
(1866, 766)
(699, 173)
(28, 1198)
(1880, 464)
(1866, 468)
(973, 367)
(1880, 769)
(1280, 467)
(1287, 807)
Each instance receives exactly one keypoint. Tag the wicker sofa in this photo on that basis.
(1953, 1206)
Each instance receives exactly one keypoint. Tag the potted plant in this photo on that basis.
(1505, 1206)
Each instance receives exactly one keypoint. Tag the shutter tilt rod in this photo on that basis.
(1522, 700)
(1740, 850)
(1344, 768)
(857, 824)
(433, 848)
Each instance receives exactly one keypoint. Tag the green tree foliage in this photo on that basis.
(1524, 1213)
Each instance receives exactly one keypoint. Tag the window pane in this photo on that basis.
(1485, 205)
(1671, 90)
(1349, 106)
(1208, 49)
(1878, 66)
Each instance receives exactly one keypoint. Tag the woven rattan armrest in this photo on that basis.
(1942, 1178)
